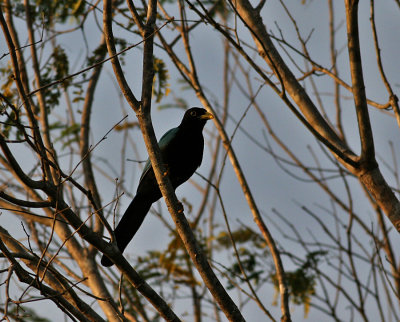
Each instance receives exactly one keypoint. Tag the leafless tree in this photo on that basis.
(62, 186)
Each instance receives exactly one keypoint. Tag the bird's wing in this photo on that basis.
(163, 143)
(167, 138)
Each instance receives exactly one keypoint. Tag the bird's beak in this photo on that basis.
(207, 116)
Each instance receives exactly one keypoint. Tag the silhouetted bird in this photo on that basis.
(182, 152)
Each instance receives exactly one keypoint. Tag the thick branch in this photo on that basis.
(51, 153)
(194, 82)
(383, 194)
(60, 292)
(290, 84)
(22, 87)
(84, 136)
(111, 251)
(360, 100)
(108, 33)
(16, 167)
(175, 208)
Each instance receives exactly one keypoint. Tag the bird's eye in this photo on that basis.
(193, 113)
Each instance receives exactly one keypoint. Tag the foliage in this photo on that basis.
(251, 249)
(161, 76)
(26, 314)
(7, 88)
(63, 179)
(60, 11)
(302, 281)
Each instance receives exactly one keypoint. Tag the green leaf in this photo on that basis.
(301, 282)
(160, 82)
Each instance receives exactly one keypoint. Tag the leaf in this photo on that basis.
(60, 64)
(301, 282)
(28, 315)
(241, 235)
(126, 125)
(160, 81)
(68, 133)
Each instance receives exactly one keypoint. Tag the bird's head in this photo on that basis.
(196, 117)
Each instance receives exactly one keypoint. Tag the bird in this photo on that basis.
(182, 153)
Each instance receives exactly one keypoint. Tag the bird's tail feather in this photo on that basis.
(129, 224)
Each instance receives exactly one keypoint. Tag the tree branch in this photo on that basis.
(360, 100)
(267, 50)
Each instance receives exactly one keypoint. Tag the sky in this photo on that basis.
(272, 187)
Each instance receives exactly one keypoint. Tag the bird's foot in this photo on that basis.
(180, 210)
(166, 172)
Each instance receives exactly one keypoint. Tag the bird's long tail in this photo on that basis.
(129, 224)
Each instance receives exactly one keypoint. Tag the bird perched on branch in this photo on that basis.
(182, 151)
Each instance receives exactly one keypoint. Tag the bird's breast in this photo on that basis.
(183, 157)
